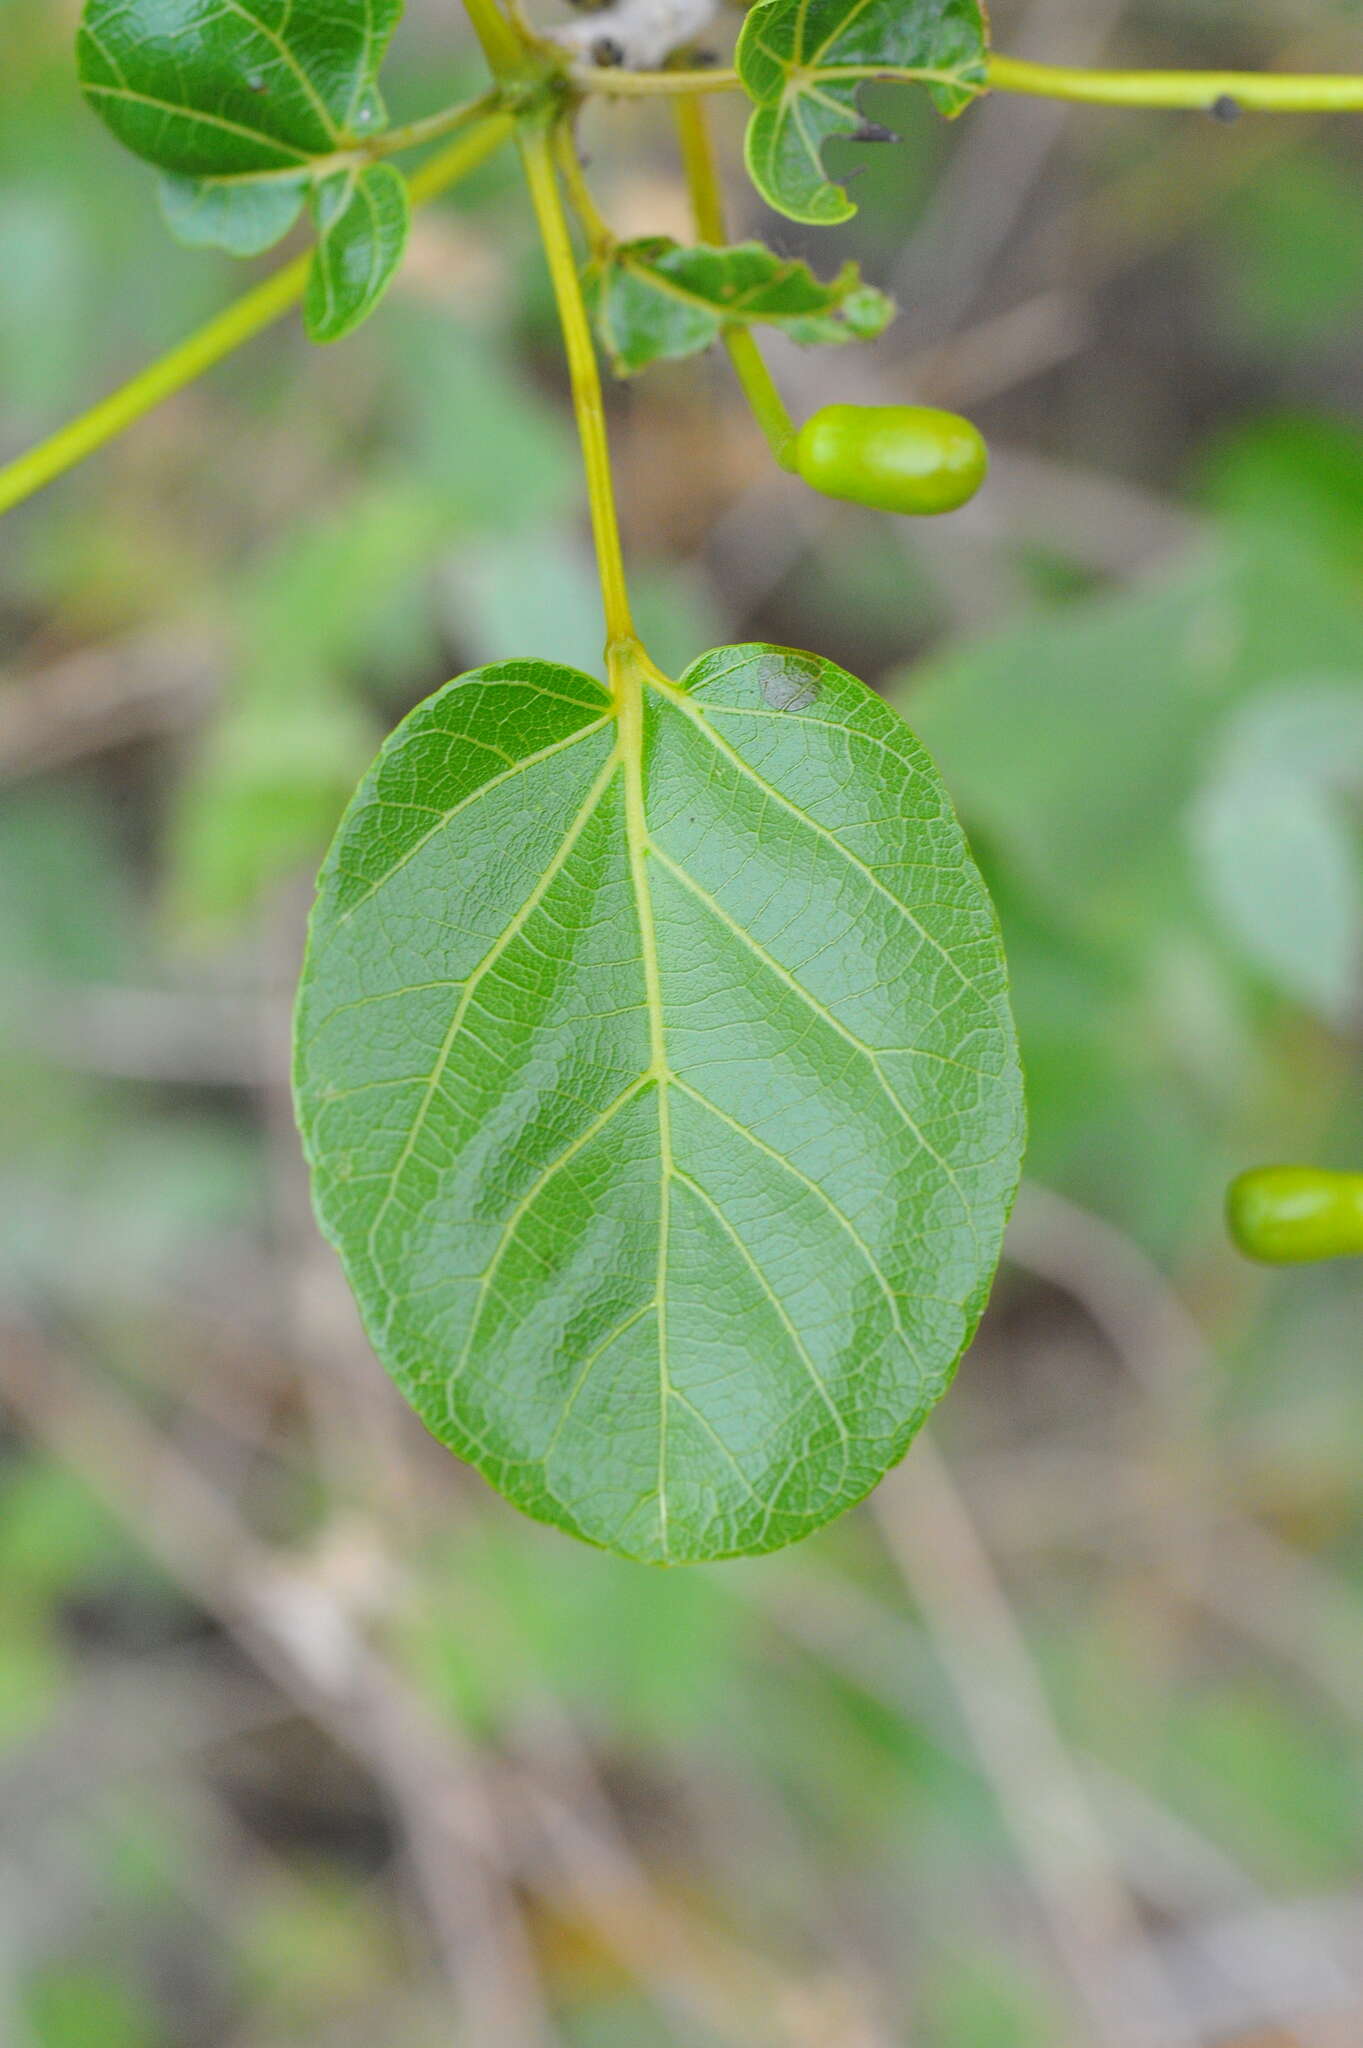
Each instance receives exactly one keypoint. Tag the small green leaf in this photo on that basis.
(216, 88)
(657, 1076)
(655, 299)
(362, 222)
(242, 216)
(804, 62)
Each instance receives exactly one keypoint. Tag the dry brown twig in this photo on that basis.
(474, 1829)
(292, 1628)
(139, 688)
(1113, 1970)
(1164, 1859)
(1239, 1571)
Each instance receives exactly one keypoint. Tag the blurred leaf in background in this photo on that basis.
(1293, 263)
(648, 1660)
(73, 2006)
(1088, 749)
(1275, 831)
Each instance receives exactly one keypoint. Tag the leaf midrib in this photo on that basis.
(630, 748)
(258, 136)
(737, 312)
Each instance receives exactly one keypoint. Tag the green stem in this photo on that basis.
(618, 84)
(1258, 91)
(702, 172)
(600, 239)
(588, 405)
(241, 320)
(760, 390)
(502, 46)
(707, 204)
(449, 166)
(431, 127)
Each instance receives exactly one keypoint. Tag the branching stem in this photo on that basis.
(432, 127)
(707, 204)
(512, 56)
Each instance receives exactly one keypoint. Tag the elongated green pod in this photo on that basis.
(1295, 1215)
(899, 458)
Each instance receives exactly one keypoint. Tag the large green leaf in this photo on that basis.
(217, 88)
(362, 223)
(659, 1084)
(804, 62)
(655, 298)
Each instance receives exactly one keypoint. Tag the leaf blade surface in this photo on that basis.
(656, 300)
(661, 1092)
(216, 88)
(803, 63)
(363, 220)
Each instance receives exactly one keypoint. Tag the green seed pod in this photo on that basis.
(899, 458)
(1291, 1215)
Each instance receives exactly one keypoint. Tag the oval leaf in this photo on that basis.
(655, 299)
(209, 88)
(660, 1090)
(362, 223)
(804, 62)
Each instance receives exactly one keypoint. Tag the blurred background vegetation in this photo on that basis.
(305, 1737)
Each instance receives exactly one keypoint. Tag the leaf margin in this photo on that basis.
(766, 77)
(840, 309)
(363, 219)
(1010, 1077)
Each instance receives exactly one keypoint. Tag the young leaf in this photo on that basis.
(213, 88)
(804, 62)
(242, 216)
(658, 1081)
(656, 299)
(362, 223)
